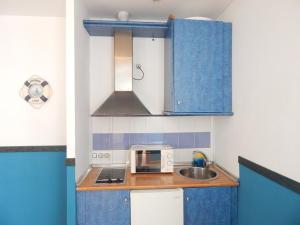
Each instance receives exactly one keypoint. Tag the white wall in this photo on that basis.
(266, 93)
(70, 78)
(48, 8)
(82, 82)
(32, 45)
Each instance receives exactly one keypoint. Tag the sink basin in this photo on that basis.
(198, 173)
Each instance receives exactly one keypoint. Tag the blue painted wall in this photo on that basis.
(264, 202)
(32, 188)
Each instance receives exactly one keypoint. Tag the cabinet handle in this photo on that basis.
(125, 200)
(187, 199)
(178, 102)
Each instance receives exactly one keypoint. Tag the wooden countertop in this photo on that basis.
(155, 181)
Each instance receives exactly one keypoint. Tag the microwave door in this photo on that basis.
(148, 161)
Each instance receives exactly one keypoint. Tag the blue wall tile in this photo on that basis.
(138, 139)
(102, 141)
(186, 140)
(120, 141)
(171, 139)
(123, 141)
(202, 140)
(155, 138)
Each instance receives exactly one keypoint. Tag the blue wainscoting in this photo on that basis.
(265, 202)
(123, 141)
(32, 188)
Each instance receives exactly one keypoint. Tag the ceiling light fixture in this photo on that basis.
(123, 15)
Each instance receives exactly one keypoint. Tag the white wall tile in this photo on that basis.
(193, 124)
(138, 125)
(102, 157)
(161, 124)
(102, 125)
(121, 125)
(120, 156)
(150, 124)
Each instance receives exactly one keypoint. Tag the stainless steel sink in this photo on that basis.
(198, 173)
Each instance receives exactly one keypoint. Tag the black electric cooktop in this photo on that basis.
(111, 175)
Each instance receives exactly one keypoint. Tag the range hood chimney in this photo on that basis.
(123, 102)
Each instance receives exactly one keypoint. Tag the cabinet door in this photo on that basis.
(103, 208)
(198, 49)
(208, 206)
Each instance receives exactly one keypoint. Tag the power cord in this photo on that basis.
(139, 67)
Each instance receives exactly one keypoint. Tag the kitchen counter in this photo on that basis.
(155, 181)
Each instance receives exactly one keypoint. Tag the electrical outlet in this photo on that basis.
(101, 157)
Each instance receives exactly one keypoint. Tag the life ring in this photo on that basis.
(36, 91)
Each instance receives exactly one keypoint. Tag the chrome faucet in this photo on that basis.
(206, 162)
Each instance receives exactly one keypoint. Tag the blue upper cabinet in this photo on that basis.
(198, 67)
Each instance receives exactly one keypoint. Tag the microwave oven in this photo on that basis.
(151, 159)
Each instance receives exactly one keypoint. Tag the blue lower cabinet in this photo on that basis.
(202, 206)
(103, 207)
(210, 206)
(71, 195)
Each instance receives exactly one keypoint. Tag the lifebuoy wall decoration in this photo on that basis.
(36, 91)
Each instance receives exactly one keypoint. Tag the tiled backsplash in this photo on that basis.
(123, 141)
(113, 136)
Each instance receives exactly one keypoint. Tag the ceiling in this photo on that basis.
(54, 8)
(138, 9)
(157, 9)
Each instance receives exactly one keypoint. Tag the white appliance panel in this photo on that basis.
(157, 207)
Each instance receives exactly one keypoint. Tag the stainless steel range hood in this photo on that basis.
(123, 102)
